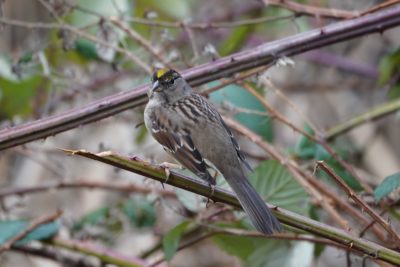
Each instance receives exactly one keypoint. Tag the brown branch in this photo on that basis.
(37, 222)
(277, 115)
(379, 6)
(314, 11)
(220, 195)
(299, 174)
(141, 41)
(57, 255)
(262, 55)
(120, 187)
(357, 199)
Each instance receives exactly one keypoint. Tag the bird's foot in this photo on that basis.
(212, 187)
(167, 166)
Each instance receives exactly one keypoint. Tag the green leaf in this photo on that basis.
(388, 185)
(388, 66)
(16, 96)
(9, 229)
(86, 48)
(171, 239)
(140, 213)
(92, 218)
(277, 186)
(394, 92)
(236, 40)
(239, 97)
(263, 252)
(307, 149)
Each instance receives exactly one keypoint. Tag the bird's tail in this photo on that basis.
(260, 215)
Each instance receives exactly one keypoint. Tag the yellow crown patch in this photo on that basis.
(161, 72)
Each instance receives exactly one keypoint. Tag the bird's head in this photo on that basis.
(168, 85)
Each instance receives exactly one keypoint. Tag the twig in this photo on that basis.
(259, 56)
(104, 255)
(275, 114)
(81, 184)
(37, 222)
(373, 114)
(296, 171)
(60, 256)
(314, 11)
(379, 6)
(209, 25)
(219, 195)
(141, 41)
(268, 83)
(77, 32)
(305, 183)
(364, 206)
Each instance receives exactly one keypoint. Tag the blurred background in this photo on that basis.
(45, 70)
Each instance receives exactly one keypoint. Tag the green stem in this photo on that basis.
(376, 113)
(103, 256)
(199, 187)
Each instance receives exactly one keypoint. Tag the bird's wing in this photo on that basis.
(236, 145)
(179, 144)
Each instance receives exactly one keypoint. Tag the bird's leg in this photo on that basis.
(211, 182)
(212, 187)
(167, 166)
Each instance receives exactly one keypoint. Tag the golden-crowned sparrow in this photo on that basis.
(192, 130)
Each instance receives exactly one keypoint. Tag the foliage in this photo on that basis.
(11, 228)
(388, 185)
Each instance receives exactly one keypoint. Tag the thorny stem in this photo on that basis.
(358, 200)
(287, 217)
(259, 56)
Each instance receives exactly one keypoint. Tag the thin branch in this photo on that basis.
(219, 195)
(371, 115)
(277, 115)
(36, 223)
(357, 199)
(298, 173)
(60, 256)
(104, 255)
(82, 184)
(210, 25)
(379, 6)
(141, 41)
(259, 56)
(314, 11)
(78, 32)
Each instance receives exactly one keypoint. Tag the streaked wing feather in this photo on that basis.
(237, 147)
(180, 145)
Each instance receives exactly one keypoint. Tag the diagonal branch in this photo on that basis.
(358, 200)
(199, 187)
(262, 55)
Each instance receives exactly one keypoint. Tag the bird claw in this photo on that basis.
(167, 166)
(212, 187)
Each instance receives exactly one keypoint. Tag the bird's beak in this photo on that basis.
(156, 87)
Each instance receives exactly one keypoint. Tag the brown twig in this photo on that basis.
(37, 222)
(300, 175)
(255, 57)
(57, 255)
(80, 33)
(319, 12)
(81, 184)
(379, 6)
(220, 195)
(141, 41)
(303, 182)
(276, 115)
(357, 199)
